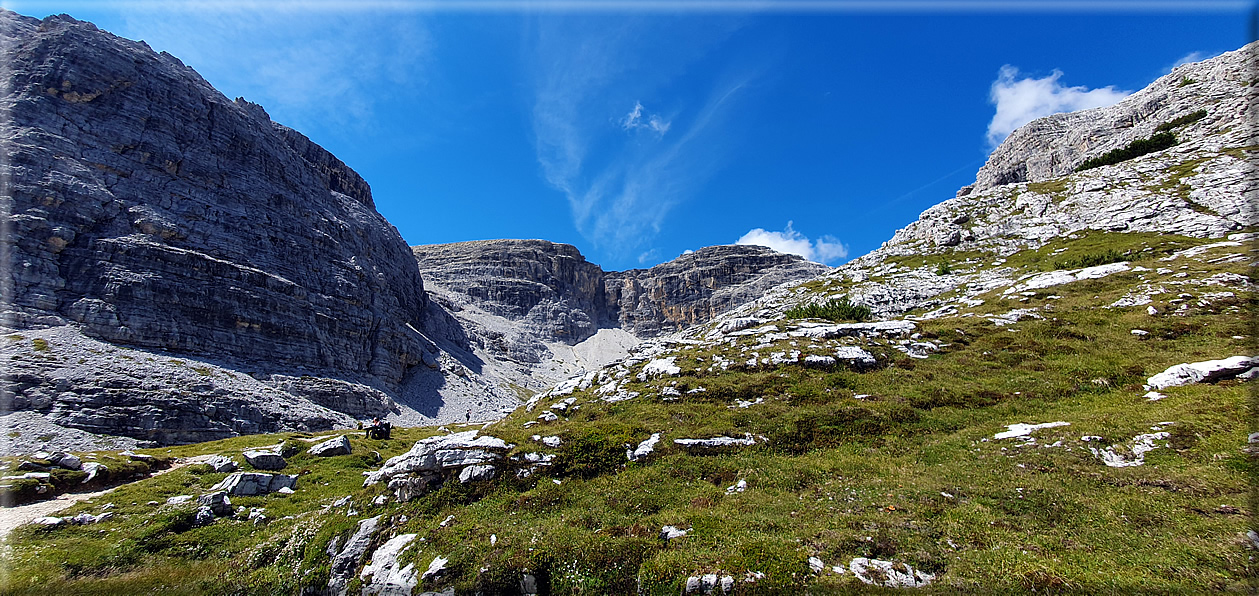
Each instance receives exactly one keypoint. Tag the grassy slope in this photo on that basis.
(839, 477)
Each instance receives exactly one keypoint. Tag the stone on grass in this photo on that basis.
(179, 500)
(218, 503)
(1202, 372)
(246, 484)
(387, 575)
(888, 574)
(345, 559)
(644, 448)
(717, 442)
(668, 533)
(93, 470)
(70, 462)
(475, 473)
(335, 446)
(222, 464)
(1023, 430)
(265, 460)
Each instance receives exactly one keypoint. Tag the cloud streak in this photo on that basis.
(1021, 100)
(826, 249)
(621, 172)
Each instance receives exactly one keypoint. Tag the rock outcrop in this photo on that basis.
(695, 287)
(1056, 145)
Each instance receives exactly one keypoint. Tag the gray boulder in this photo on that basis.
(70, 462)
(222, 464)
(345, 559)
(265, 460)
(336, 446)
(218, 503)
(247, 484)
(431, 460)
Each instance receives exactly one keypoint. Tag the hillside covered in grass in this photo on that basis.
(851, 442)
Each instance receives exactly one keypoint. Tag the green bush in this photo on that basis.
(944, 268)
(1181, 121)
(1134, 149)
(836, 309)
(1092, 259)
(592, 452)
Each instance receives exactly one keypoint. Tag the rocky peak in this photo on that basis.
(1054, 146)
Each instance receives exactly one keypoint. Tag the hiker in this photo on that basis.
(378, 429)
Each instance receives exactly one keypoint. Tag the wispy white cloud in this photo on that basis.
(1021, 100)
(826, 249)
(620, 188)
(634, 120)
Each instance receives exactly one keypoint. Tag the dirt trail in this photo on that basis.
(12, 517)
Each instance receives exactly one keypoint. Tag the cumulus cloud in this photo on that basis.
(1021, 100)
(653, 122)
(825, 249)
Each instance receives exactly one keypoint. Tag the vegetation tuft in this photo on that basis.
(1181, 121)
(836, 309)
(1092, 259)
(1135, 149)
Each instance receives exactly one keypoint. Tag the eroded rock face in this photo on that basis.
(148, 210)
(549, 288)
(1055, 145)
(695, 287)
(155, 212)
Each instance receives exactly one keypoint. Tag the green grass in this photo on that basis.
(837, 477)
(40, 344)
(1049, 186)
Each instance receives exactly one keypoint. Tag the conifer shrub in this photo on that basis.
(1092, 259)
(836, 309)
(1181, 121)
(1134, 149)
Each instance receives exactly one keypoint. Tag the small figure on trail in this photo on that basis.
(467, 416)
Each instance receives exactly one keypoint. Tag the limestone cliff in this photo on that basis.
(145, 209)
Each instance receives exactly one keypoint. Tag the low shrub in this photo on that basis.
(1134, 149)
(1181, 121)
(836, 309)
(1092, 259)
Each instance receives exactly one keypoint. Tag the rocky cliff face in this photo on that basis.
(1054, 146)
(549, 288)
(532, 308)
(695, 287)
(146, 209)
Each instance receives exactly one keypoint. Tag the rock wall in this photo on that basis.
(695, 287)
(152, 211)
(556, 295)
(550, 288)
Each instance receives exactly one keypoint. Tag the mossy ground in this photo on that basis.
(909, 471)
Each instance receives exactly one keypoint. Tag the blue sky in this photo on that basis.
(637, 131)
